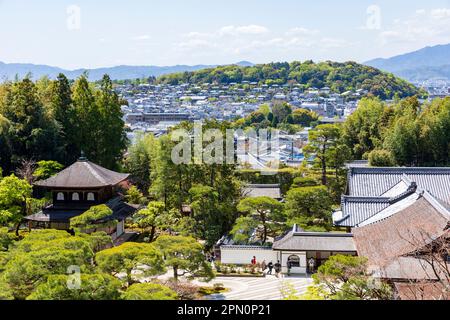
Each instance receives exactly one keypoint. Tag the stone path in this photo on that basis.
(268, 288)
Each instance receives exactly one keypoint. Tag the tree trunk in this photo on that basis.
(324, 165)
(152, 234)
(17, 228)
(129, 278)
(324, 172)
(263, 221)
(175, 273)
(265, 234)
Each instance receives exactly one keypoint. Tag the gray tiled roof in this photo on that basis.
(315, 241)
(83, 174)
(358, 209)
(374, 182)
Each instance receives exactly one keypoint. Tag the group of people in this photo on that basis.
(270, 267)
(277, 266)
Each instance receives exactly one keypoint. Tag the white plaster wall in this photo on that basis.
(303, 266)
(244, 256)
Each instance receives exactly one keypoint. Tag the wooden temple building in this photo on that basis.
(78, 188)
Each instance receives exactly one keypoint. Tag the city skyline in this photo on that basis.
(79, 34)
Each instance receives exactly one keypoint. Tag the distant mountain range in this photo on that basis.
(11, 70)
(417, 66)
(424, 64)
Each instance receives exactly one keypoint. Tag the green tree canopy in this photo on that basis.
(90, 219)
(184, 254)
(154, 217)
(149, 291)
(266, 211)
(363, 130)
(128, 257)
(323, 142)
(381, 158)
(14, 194)
(43, 253)
(309, 207)
(344, 277)
(47, 169)
(135, 196)
(92, 287)
(140, 160)
(304, 117)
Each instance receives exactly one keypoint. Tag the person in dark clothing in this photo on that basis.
(277, 268)
(270, 266)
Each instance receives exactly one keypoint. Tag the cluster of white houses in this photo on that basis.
(398, 218)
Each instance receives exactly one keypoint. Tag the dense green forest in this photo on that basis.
(57, 120)
(340, 77)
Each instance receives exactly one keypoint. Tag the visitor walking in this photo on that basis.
(263, 266)
(312, 265)
(277, 268)
(270, 266)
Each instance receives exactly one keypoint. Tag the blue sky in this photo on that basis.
(82, 33)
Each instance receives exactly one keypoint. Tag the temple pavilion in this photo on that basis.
(78, 188)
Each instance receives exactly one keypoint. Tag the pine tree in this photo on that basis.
(87, 125)
(113, 141)
(64, 114)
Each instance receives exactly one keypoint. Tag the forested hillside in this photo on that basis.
(340, 77)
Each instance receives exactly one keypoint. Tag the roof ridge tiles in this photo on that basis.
(411, 190)
(400, 170)
(372, 199)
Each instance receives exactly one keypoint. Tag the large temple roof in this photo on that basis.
(390, 243)
(83, 174)
(377, 182)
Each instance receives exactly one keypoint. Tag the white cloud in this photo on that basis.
(328, 43)
(299, 31)
(143, 37)
(198, 35)
(439, 14)
(424, 27)
(242, 42)
(243, 30)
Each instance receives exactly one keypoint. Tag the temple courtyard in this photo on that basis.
(268, 288)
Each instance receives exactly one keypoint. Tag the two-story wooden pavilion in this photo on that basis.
(76, 189)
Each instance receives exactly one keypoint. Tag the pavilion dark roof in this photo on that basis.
(118, 206)
(83, 174)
